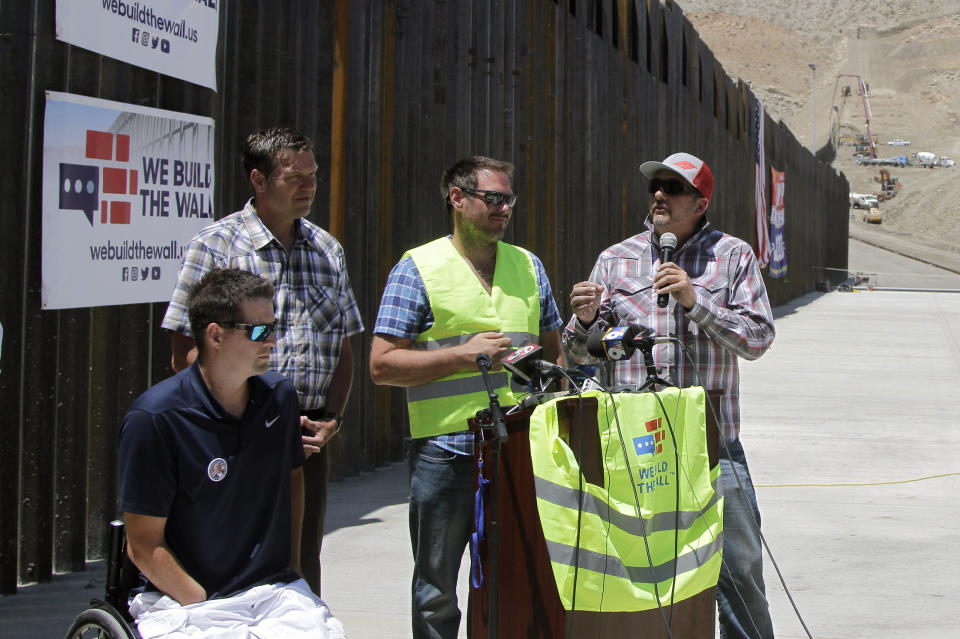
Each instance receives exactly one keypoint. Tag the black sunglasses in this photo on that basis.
(256, 332)
(672, 187)
(493, 198)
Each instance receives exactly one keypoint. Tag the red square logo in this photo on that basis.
(123, 147)
(99, 145)
(114, 180)
(119, 212)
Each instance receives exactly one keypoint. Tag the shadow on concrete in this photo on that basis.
(795, 305)
(352, 500)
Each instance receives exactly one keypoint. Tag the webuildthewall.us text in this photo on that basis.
(136, 250)
(145, 16)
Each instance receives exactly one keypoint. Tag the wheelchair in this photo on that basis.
(108, 618)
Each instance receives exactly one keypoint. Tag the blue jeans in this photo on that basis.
(441, 520)
(741, 601)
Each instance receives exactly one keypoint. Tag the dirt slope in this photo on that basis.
(907, 52)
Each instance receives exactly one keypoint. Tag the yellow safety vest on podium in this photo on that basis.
(461, 309)
(614, 573)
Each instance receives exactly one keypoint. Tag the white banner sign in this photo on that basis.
(124, 190)
(174, 37)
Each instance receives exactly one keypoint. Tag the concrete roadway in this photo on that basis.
(850, 427)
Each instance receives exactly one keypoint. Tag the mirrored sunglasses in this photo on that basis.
(493, 198)
(256, 332)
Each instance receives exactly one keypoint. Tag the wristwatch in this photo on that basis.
(328, 415)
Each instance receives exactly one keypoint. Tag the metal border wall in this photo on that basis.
(577, 93)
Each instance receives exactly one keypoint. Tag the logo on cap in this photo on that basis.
(685, 165)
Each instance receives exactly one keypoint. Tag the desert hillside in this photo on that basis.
(908, 53)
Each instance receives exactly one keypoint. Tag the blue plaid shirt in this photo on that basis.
(405, 312)
(314, 301)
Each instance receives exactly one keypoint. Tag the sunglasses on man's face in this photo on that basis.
(493, 198)
(672, 187)
(256, 332)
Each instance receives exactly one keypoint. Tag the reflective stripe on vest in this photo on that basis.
(462, 308)
(612, 568)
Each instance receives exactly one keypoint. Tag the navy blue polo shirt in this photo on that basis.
(222, 483)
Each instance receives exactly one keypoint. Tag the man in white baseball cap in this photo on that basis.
(714, 301)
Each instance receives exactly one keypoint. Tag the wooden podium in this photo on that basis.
(529, 606)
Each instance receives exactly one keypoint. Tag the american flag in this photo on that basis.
(760, 173)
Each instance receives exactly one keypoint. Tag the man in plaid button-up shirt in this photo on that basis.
(316, 309)
(718, 309)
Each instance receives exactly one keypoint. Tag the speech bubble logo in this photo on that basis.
(80, 189)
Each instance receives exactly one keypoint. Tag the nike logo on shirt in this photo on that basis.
(270, 422)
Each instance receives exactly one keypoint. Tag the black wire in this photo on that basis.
(676, 512)
(753, 518)
(576, 543)
(636, 500)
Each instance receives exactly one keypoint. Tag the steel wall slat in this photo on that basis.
(16, 64)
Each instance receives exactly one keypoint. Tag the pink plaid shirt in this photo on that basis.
(731, 317)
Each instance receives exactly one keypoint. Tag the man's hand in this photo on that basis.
(496, 345)
(317, 433)
(672, 279)
(585, 301)
(394, 362)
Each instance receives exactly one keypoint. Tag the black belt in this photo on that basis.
(315, 414)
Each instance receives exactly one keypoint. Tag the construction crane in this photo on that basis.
(866, 107)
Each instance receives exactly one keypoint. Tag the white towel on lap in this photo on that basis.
(272, 611)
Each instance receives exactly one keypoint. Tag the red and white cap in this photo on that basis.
(692, 169)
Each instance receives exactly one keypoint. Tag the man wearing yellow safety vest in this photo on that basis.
(714, 301)
(446, 302)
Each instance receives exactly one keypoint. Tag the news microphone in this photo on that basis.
(620, 342)
(521, 362)
(527, 364)
(668, 242)
(615, 344)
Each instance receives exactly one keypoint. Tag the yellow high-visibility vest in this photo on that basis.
(614, 573)
(462, 308)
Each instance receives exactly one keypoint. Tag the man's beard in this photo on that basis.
(473, 234)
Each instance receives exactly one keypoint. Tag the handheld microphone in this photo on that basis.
(668, 242)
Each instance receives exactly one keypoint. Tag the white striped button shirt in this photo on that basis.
(730, 318)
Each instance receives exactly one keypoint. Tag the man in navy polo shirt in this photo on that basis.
(211, 484)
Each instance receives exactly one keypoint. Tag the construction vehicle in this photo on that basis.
(869, 140)
(888, 185)
(871, 215)
(868, 205)
(945, 161)
(847, 134)
(925, 159)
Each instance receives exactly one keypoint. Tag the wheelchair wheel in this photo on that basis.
(96, 623)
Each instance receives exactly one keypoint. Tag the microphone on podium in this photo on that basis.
(527, 364)
(620, 342)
